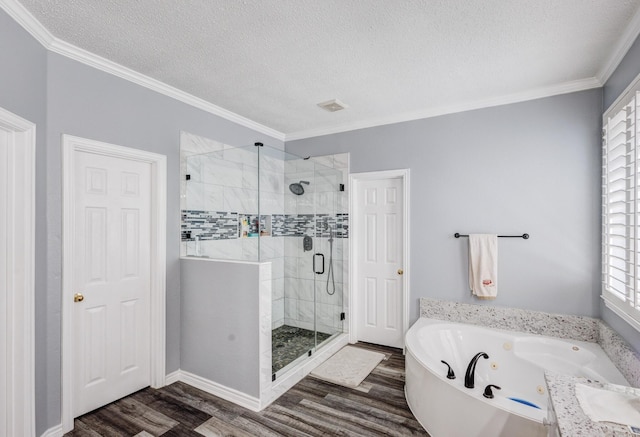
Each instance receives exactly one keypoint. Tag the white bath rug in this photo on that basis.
(348, 367)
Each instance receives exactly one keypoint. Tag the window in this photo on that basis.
(621, 206)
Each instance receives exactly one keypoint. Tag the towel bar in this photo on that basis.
(523, 236)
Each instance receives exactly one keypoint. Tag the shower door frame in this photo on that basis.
(318, 217)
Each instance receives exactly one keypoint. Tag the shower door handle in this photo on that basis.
(315, 270)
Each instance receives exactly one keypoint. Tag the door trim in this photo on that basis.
(354, 179)
(20, 250)
(70, 146)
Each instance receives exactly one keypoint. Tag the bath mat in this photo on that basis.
(348, 367)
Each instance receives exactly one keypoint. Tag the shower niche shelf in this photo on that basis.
(253, 226)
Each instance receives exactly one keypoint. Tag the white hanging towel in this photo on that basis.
(483, 265)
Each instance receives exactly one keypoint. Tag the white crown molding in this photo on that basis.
(91, 59)
(23, 17)
(538, 93)
(622, 47)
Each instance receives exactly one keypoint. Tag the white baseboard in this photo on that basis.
(172, 377)
(55, 431)
(229, 394)
(198, 382)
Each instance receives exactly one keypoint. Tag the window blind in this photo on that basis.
(621, 206)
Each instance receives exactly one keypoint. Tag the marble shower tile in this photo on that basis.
(271, 203)
(240, 200)
(305, 289)
(246, 156)
(290, 204)
(222, 249)
(305, 311)
(324, 161)
(264, 340)
(249, 249)
(213, 197)
(272, 164)
(278, 288)
(290, 266)
(325, 202)
(250, 178)
(218, 171)
(290, 308)
(271, 182)
(194, 168)
(305, 266)
(195, 196)
(278, 267)
(194, 144)
(341, 160)
(277, 310)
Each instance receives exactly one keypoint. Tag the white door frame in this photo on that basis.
(354, 179)
(19, 183)
(70, 146)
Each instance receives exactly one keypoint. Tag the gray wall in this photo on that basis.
(63, 96)
(626, 72)
(220, 328)
(529, 167)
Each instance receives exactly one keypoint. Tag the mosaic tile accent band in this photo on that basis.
(295, 225)
(219, 225)
(208, 225)
(338, 224)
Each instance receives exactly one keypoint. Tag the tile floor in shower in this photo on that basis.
(289, 343)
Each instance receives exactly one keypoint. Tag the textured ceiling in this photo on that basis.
(272, 61)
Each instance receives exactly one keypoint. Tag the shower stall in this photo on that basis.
(259, 205)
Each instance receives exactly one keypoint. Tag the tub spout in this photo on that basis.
(469, 377)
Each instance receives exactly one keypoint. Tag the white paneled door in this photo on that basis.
(379, 258)
(111, 279)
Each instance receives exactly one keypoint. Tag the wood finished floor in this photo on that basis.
(311, 408)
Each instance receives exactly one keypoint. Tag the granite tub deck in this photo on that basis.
(536, 322)
(570, 419)
(569, 416)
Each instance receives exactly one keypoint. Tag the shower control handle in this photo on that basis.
(315, 270)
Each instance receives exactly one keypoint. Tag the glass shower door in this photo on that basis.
(307, 284)
(329, 230)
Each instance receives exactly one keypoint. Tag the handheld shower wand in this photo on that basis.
(331, 287)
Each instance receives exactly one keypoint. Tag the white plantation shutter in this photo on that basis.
(621, 206)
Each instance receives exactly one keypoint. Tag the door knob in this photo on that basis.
(400, 271)
(78, 297)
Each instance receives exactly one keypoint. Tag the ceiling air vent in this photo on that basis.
(332, 105)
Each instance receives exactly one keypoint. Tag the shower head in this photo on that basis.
(297, 188)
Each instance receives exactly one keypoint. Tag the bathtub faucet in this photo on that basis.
(471, 369)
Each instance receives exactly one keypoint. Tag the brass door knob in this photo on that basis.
(78, 297)
(400, 271)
